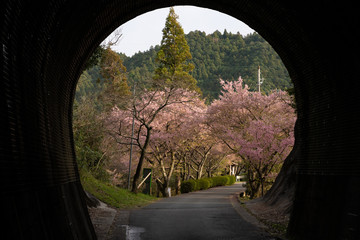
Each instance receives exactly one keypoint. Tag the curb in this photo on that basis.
(245, 214)
(250, 218)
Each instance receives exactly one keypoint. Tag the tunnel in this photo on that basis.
(45, 45)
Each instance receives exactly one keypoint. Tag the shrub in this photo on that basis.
(211, 182)
(216, 181)
(220, 181)
(188, 186)
(203, 184)
(232, 180)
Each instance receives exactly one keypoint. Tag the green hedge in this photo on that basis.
(232, 180)
(205, 183)
(188, 186)
(220, 181)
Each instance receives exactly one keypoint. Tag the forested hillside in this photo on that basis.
(221, 55)
(218, 55)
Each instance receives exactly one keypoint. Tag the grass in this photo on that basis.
(112, 195)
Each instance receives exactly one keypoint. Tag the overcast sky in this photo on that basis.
(146, 30)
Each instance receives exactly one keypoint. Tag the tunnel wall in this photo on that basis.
(45, 45)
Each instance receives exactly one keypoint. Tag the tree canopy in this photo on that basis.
(172, 58)
(220, 55)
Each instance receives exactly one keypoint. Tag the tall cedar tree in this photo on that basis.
(171, 75)
(173, 56)
(114, 75)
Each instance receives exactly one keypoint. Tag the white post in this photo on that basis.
(260, 80)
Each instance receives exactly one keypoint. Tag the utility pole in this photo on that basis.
(260, 80)
(131, 140)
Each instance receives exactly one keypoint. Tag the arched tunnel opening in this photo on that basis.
(45, 46)
(112, 163)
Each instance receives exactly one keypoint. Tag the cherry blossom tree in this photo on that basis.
(177, 134)
(147, 108)
(171, 132)
(218, 157)
(257, 127)
(171, 78)
(200, 146)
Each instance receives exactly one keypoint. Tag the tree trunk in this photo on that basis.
(178, 184)
(254, 184)
(282, 192)
(166, 186)
(167, 175)
(199, 175)
(161, 187)
(182, 173)
(188, 172)
(141, 162)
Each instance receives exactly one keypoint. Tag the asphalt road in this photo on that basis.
(200, 215)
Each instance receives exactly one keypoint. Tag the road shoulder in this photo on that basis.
(262, 216)
(244, 213)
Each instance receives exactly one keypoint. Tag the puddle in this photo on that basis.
(132, 232)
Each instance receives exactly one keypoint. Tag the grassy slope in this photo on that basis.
(114, 196)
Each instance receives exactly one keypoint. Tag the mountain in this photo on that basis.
(217, 55)
(220, 55)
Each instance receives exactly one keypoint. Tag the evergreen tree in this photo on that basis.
(113, 74)
(173, 70)
(170, 80)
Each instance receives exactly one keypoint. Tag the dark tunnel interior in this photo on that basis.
(45, 45)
